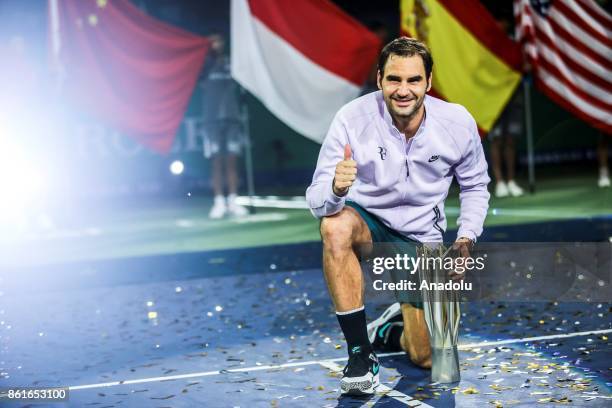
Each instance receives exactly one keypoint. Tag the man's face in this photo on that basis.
(404, 85)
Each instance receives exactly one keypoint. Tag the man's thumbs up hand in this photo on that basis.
(346, 173)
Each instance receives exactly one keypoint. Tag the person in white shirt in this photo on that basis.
(383, 173)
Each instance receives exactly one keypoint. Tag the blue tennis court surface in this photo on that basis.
(157, 240)
(267, 336)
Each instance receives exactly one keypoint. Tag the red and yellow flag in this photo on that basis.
(476, 64)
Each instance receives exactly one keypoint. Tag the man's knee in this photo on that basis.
(337, 230)
(415, 339)
(418, 350)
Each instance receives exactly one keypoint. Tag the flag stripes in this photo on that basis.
(303, 60)
(569, 46)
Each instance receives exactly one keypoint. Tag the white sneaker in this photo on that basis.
(218, 210)
(514, 189)
(361, 374)
(501, 190)
(603, 181)
(235, 209)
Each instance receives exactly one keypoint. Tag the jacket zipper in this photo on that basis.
(407, 148)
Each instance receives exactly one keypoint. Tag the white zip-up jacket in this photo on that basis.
(405, 182)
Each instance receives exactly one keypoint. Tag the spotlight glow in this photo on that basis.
(177, 167)
(21, 182)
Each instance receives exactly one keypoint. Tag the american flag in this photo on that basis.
(568, 44)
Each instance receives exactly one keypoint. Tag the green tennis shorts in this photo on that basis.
(396, 244)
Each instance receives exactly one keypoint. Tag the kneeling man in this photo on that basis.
(383, 173)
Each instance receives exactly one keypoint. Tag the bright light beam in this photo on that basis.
(21, 183)
(177, 167)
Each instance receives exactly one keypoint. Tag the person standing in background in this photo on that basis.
(223, 130)
(502, 137)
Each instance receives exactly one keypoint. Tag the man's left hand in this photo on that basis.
(463, 246)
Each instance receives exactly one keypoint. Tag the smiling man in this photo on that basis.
(383, 173)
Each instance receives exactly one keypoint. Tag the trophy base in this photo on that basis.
(445, 365)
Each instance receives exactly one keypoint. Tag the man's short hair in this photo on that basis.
(406, 47)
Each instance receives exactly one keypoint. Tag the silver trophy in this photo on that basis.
(441, 308)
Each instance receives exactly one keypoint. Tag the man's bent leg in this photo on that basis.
(415, 338)
(340, 232)
(345, 282)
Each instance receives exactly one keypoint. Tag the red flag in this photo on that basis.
(569, 45)
(319, 54)
(125, 68)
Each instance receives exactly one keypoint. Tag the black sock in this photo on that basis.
(355, 329)
(394, 337)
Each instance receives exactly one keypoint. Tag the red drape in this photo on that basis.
(127, 69)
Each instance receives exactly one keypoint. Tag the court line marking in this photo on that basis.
(538, 338)
(389, 392)
(320, 362)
